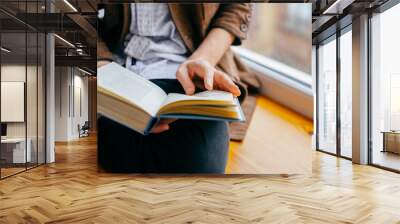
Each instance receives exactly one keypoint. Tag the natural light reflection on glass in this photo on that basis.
(282, 32)
(386, 88)
(345, 94)
(327, 97)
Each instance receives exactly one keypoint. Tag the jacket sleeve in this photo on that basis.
(234, 18)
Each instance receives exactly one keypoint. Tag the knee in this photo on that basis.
(112, 144)
(212, 151)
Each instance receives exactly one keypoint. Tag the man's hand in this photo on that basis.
(102, 63)
(200, 73)
(162, 125)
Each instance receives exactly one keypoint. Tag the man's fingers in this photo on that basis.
(186, 82)
(204, 71)
(102, 63)
(162, 125)
(209, 79)
(160, 128)
(226, 83)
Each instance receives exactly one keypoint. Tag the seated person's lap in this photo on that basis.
(190, 146)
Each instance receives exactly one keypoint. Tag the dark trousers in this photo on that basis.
(189, 146)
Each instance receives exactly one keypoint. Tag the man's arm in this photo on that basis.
(104, 55)
(214, 46)
(202, 64)
(234, 18)
(229, 27)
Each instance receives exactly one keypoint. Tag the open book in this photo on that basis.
(137, 103)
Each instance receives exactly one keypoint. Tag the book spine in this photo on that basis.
(153, 121)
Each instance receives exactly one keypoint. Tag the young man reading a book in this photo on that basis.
(182, 48)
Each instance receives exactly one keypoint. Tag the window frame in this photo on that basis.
(333, 37)
(381, 9)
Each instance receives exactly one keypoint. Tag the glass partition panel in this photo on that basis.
(327, 97)
(346, 94)
(32, 87)
(14, 153)
(385, 87)
(22, 67)
(41, 79)
(32, 98)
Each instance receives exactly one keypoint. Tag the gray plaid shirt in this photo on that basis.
(154, 48)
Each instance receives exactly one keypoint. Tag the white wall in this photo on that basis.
(71, 94)
(10, 73)
(61, 103)
(80, 109)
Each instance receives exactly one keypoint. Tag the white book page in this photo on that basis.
(130, 86)
(216, 95)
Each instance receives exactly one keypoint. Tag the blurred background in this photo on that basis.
(282, 32)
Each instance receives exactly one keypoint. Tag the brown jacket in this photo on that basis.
(193, 21)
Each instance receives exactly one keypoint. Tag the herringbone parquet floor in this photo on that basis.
(73, 191)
